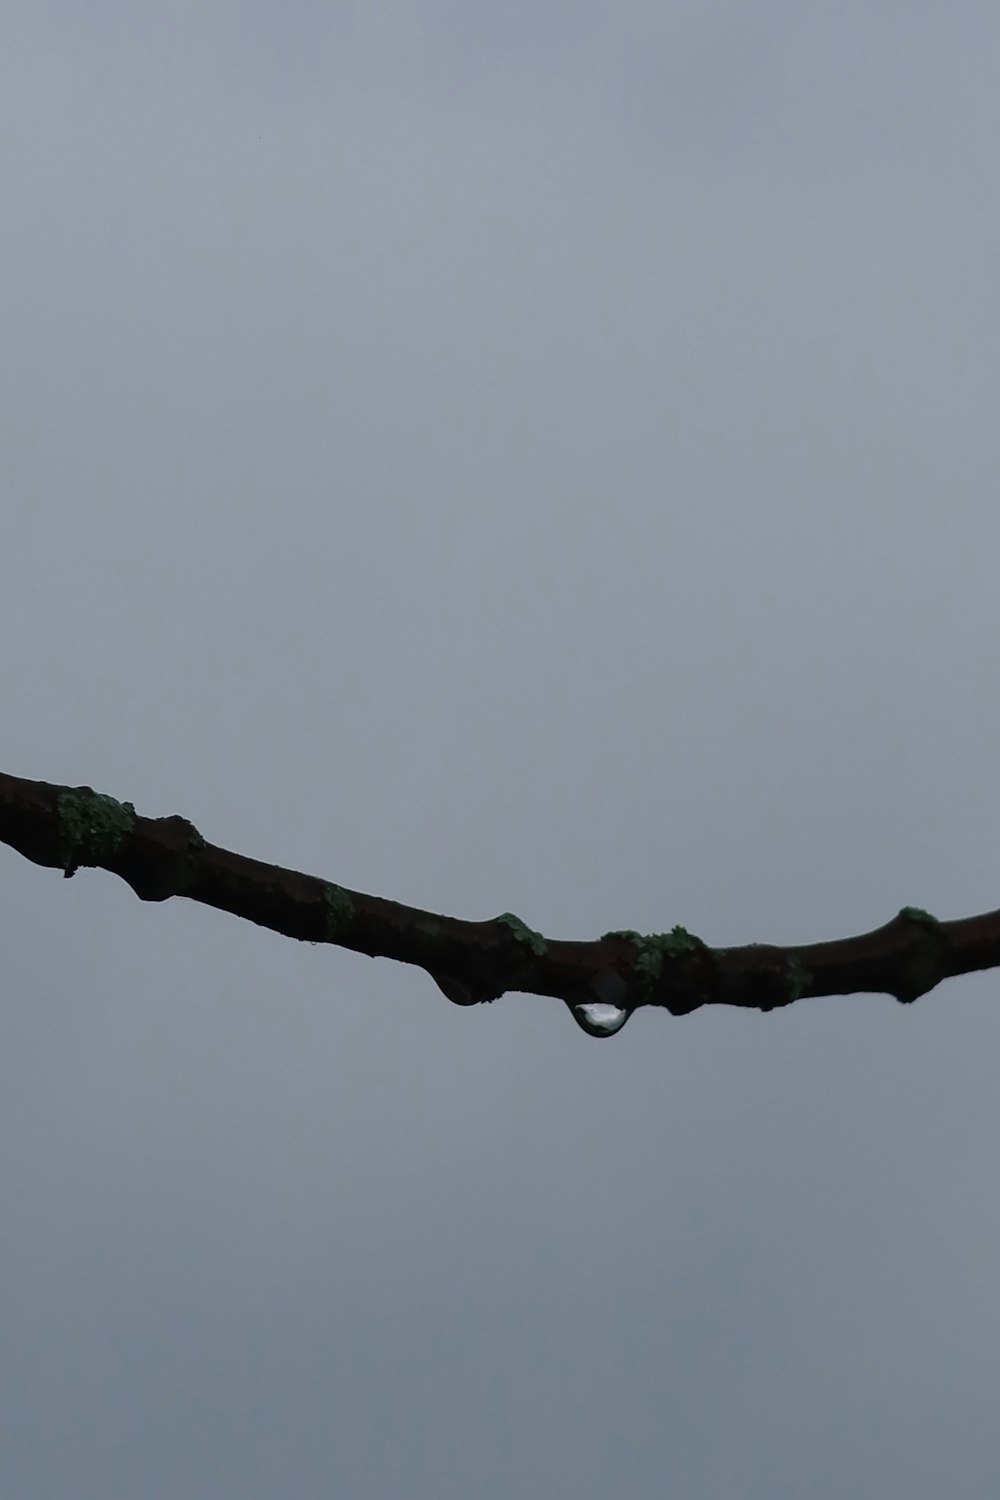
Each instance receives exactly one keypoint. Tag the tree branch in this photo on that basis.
(602, 981)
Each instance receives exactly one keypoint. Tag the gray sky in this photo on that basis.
(537, 457)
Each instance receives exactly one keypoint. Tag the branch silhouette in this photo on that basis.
(602, 981)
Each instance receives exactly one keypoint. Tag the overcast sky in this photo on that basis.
(535, 457)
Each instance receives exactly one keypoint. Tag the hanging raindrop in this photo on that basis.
(458, 992)
(598, 1019)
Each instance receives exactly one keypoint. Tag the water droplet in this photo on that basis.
(458, 992)
(597, 1019)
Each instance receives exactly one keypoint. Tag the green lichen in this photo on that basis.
(917, 914)
(91, 827)
(524, 934)
(653, 948)
(679, 941)
(338, 911)
(797, 976)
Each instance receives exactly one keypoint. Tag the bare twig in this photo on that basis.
(602, 981)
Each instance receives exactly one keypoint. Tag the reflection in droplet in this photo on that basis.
(600, 1020)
